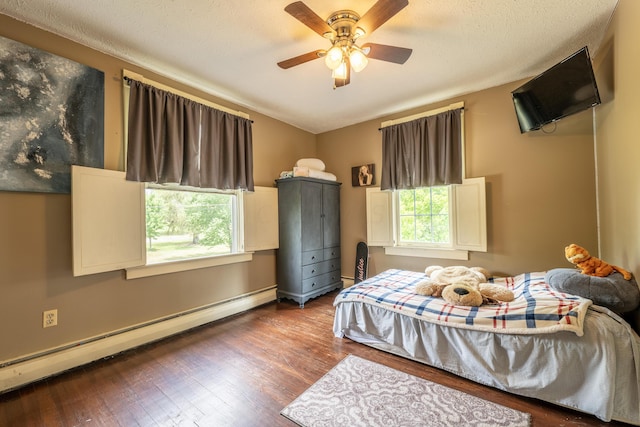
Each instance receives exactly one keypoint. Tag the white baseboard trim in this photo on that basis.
(36, 367)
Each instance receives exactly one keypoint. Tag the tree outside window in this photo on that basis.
(187, 224)
(424, 215)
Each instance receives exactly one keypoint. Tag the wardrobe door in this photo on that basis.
(312, 217)
(331, 215)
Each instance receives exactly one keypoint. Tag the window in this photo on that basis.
(437, 222)
(423, 216)
(189, 224)
(110, 225)
(149, 230)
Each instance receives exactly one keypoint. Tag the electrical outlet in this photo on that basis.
(49, 318)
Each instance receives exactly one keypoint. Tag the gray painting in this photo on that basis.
(51, 117)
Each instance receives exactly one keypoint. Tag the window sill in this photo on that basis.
(193, 264)
(427, 253)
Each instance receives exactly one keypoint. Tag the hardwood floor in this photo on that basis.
(240, 371)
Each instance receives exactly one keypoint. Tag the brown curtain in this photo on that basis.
(175, 140)
(226, 162)
(422, 153)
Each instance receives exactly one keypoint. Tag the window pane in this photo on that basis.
(407, 202)
(424, 216)
(423, 229)
(186, 225)
(440, 200)
(441, 229)
(423, 201)
(407, 228)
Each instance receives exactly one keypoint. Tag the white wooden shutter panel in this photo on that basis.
(380, 230)
(260, 210)
(470, 224)
(108, 221)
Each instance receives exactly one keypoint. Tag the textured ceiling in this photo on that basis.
(230, 48)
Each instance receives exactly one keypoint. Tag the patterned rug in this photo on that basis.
(358, 392)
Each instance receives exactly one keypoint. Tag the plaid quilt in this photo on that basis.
(536, 309)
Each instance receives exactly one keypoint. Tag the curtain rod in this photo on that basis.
(127, 76)
(454, 106)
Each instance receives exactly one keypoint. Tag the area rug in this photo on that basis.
(358, 392)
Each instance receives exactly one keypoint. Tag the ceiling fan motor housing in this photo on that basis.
(343, 23)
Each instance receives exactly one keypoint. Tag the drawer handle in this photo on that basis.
(313, 284)
(313, 257)
(313, 271)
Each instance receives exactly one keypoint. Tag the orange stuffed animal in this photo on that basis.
(591, 265)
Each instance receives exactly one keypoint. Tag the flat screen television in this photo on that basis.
(564, 89)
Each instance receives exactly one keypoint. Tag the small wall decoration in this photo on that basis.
(364, 175)
(51, 117)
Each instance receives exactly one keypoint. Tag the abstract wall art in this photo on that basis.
(51, 117)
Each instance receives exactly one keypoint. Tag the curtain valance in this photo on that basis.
(422, 153)
(172, 139)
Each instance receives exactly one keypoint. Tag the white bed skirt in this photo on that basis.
(598, 373)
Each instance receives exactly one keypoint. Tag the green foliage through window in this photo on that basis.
(185, 224)
(424, 215)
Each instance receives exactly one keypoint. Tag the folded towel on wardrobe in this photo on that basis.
(316, 164)
(313, 173)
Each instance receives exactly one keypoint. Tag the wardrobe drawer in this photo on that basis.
(313, 270)
(318, 282)
(332, 253)
(332, 264)
(310, 257)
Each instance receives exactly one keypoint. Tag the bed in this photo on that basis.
(548, 345)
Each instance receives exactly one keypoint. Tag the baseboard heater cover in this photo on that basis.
(26, 370)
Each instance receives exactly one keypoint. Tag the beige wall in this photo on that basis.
(617, 141)
(35, 234)
(540, 187)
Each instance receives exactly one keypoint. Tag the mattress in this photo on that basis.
(595, 370)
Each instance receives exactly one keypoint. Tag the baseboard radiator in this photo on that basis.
(347, 281)
(31, 368)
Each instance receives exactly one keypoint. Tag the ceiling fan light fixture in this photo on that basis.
(358, 32)
(341, 71)
(358, 60)
(334, 57)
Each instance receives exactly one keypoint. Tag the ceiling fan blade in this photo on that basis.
(300, 59)
(383, 52)
(380, 13)
(308, 17)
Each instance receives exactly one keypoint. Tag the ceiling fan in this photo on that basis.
(343, 28)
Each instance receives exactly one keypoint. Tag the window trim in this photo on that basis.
(423, 252)
(237, 245)
(186, 265)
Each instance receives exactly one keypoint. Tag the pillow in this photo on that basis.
(316, 164)
(612, 291)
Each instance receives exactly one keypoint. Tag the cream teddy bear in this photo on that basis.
(460, 285)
